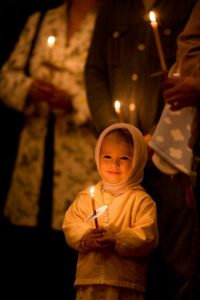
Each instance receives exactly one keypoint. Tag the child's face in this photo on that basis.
(115, 159)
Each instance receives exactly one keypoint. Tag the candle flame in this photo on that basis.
(132, 106)
(117, 105)
(51, 41)
(152, 16)
(176, 74)
(92, 190)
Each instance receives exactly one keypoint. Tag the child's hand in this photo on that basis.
(107, 240)
(90, 240)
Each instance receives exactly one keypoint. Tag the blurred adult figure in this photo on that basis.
(185, 92)
(43, 79)
(127, 68)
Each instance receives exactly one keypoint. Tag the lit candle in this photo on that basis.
(117, 106)
(51, 41)
(50, 44)
(92, 190)
(132, 109)
(154, 25)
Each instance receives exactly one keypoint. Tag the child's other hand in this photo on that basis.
(90, 240)
(107, 240)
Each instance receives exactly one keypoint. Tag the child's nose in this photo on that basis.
(116, 162)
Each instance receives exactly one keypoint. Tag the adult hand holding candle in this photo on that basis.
(154, 25)
(92, 190)
(117, 106)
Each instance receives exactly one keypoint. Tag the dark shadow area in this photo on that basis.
(21, 248)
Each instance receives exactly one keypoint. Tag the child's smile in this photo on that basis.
(115, 159)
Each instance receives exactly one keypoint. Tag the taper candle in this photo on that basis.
(92, 190)
(154, 26)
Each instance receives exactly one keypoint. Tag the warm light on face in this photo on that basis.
(51, 41)
(115, 159)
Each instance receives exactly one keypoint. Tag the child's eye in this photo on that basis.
(124, 158)
(107, 156)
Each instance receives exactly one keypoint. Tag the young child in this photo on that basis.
(113, 258)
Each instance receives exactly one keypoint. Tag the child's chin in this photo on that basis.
(113, 181)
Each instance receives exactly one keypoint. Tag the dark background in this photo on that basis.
(13, 15)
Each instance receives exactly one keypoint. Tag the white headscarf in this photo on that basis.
(135, 175)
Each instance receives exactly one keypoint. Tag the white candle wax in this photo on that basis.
(154, 26)
(92, 191)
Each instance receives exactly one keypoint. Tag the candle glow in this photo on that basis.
(152, 18)
(117, 106)
(51, 41)
(154, 26)
(132, 108)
